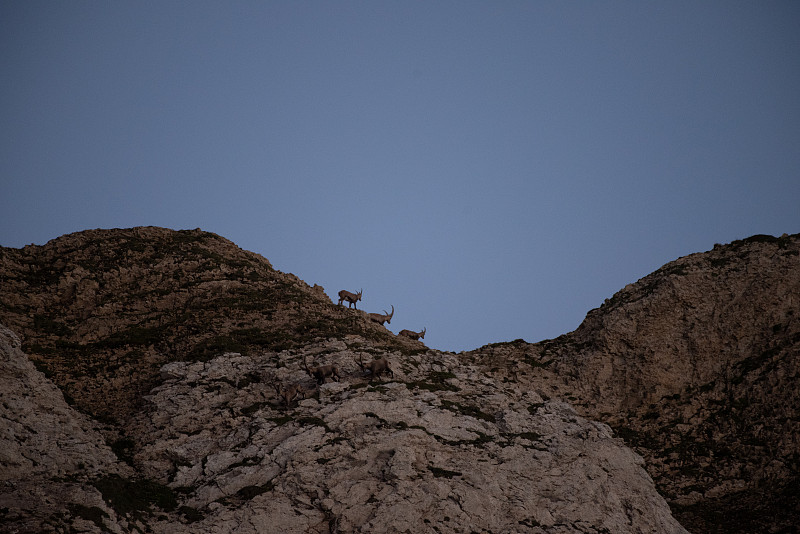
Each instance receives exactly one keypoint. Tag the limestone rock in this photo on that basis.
(438, 446)
(116, 305)
(174, 340)
(696, 366)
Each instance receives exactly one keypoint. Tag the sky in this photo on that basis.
(493, 170)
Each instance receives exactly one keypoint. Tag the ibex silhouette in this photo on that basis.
(322, 372)
(375, 367)
(381, 318)
(351, 298)
(412, 335)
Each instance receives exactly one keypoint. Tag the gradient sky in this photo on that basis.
(492, 169)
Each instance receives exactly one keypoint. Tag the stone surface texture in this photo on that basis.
(696, 365)
(142, 372)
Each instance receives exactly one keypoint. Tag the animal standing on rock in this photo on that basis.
(376, 367)
(288, 394)
(351, 298)
(410, 334)
(322, 372)
(381, 318)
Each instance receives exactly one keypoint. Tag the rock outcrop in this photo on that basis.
(438, 447)
(50, 454)
(103, 310)
(696, 366)
(141, 396)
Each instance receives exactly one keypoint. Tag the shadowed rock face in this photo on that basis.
(696, 366)
(174, 340)
(49, 453)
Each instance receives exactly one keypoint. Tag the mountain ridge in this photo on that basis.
(696, 366)
(149, 295)
(693, 365)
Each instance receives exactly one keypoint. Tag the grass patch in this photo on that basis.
(675, 269)
(437, 381)
(515, 343)
(537, 364)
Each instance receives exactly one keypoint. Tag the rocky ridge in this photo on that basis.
(438, 447)
(101, 310)
(50, 454)
(696, 366)
(166, 346)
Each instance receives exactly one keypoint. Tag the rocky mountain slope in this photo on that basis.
(438, 447)
(696, 366)
(100, 311)
(49, 453)
(167, 348)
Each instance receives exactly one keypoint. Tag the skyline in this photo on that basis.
(494, 171)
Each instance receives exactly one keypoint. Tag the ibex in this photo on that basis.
(410, 334)
(351, 298)
(381, 318)
(322, 372)
(286, 394)
(375, 367)
(289, 393)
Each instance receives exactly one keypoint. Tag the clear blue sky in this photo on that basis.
(492, 169)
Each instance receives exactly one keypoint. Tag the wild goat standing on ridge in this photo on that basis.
(410, 334)
(351, 298)
(381, 318)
